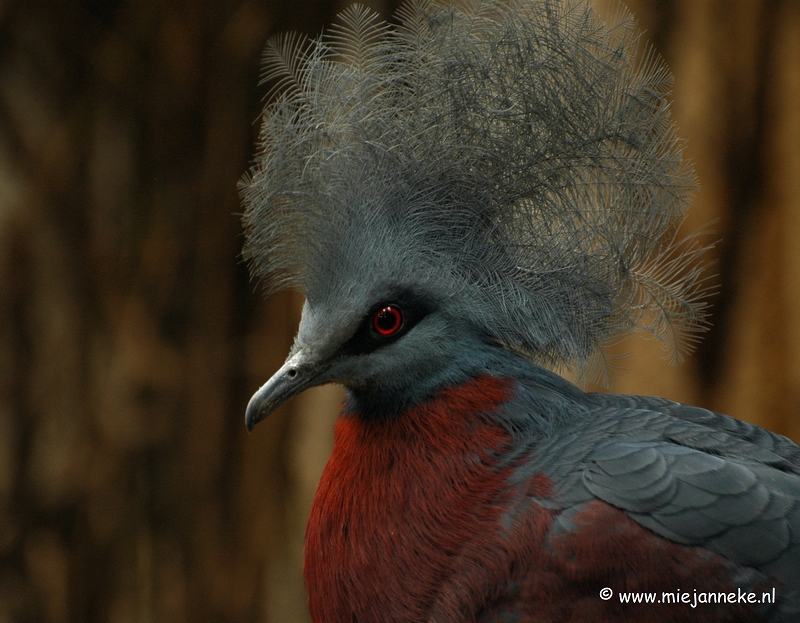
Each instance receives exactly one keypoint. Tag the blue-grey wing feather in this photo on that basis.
(690, 475)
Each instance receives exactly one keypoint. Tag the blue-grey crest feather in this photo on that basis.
(517, 155)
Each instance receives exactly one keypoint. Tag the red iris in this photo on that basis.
(388, 320)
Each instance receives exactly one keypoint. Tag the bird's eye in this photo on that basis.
(387, 321)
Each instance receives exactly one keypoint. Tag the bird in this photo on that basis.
(473, 198)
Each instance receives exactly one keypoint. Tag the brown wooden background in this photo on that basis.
(131, 337)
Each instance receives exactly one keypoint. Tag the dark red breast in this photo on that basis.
(407, 506)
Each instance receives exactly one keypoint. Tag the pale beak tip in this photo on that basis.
(254, 413)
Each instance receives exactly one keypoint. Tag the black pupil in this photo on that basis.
(387, 320)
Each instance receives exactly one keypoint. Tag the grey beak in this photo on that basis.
(294, 376)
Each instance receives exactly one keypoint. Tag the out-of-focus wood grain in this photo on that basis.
(737, 82)
(131, 336)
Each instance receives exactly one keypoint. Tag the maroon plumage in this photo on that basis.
(407, 507)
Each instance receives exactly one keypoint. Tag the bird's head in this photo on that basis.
(383, 325)
(503, 174)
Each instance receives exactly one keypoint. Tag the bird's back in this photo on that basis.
(667, 502)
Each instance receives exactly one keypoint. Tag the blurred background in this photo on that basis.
(131, 336)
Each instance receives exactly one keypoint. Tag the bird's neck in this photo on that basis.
(399, 499)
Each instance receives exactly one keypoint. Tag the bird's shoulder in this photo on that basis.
(691, 476)
(705, 430)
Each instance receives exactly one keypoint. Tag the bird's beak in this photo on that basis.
(296, 375)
